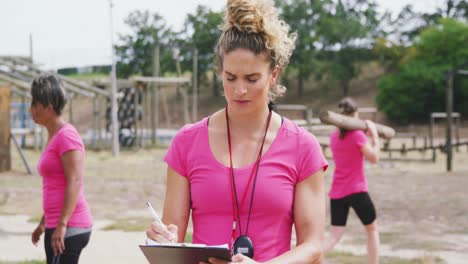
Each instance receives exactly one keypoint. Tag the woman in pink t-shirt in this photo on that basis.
(245, 174)
(349, 186)
(66, 219)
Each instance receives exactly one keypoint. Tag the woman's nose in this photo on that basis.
(240, 88)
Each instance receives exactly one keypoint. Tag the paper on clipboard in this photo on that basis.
(182, 253)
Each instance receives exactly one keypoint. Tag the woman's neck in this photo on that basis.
(54, 125)
(248, 123)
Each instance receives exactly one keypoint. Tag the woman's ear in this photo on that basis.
(274, 75)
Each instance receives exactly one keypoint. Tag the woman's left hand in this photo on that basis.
(58, 239)
(239, 258)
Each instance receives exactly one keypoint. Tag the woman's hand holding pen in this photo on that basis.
(239, 258)
(158, 231)
(162, 233)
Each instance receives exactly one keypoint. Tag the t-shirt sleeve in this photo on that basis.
(176, 157)
(68, 140)
(311, 158)
(360, 138)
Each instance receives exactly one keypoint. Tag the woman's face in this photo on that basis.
(40, 113)
(247, 79)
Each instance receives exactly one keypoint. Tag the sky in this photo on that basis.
(69, 33)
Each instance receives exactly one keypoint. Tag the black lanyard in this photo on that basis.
(233, 186)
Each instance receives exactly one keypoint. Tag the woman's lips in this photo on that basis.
(241, 101)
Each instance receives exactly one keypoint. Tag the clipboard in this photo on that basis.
(174, 254)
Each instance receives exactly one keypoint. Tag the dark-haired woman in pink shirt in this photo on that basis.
(66, 219)
(349, 186)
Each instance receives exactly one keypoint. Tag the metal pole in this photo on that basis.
(195, 85)
(449, 121)
(115, 129)
(31, 54)
(20, 151)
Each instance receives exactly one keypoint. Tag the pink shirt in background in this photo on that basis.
(348, 177)
(293, 156)
(54, 181)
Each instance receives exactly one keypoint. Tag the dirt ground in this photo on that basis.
(422, 210)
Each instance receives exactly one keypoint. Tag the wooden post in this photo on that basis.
(155, 97)
(186, 105)
(165, 107)
(5, 155)
(23, 120)
(136, 92)
(147, 113)
(183, 93)
(101, 114)
(449, 121)
(195, 85)
(431, 139)
(95, 117)
(457, 132)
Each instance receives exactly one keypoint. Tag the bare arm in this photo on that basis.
(371, 150)
(176, 210)
(73, 168)
(36, 234)
(309, 215)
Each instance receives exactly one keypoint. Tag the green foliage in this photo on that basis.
(333, 37)
(135, 51)
(201, 31)
(411, 94)
(302, 16)
(391, 54)
(419, 87)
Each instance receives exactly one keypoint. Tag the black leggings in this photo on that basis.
(360, 202)
(73, 246)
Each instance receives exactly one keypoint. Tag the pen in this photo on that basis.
(155, 216)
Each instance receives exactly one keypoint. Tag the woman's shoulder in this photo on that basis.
(68, 130)
(294, 129)
(297, 133)
(357, 133)
(193, 127)
(191, 130)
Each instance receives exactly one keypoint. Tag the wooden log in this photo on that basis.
(5, 155)
(350, 123)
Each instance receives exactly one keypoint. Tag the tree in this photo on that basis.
(418, 88)
(347, 30)
(135, 51)
(202, 31)
(302, 16)
(408, 24)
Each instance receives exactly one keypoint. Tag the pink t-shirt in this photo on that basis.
(293, 156)
(54, 181)
(348, 177)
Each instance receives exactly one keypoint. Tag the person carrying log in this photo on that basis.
(349, 186)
